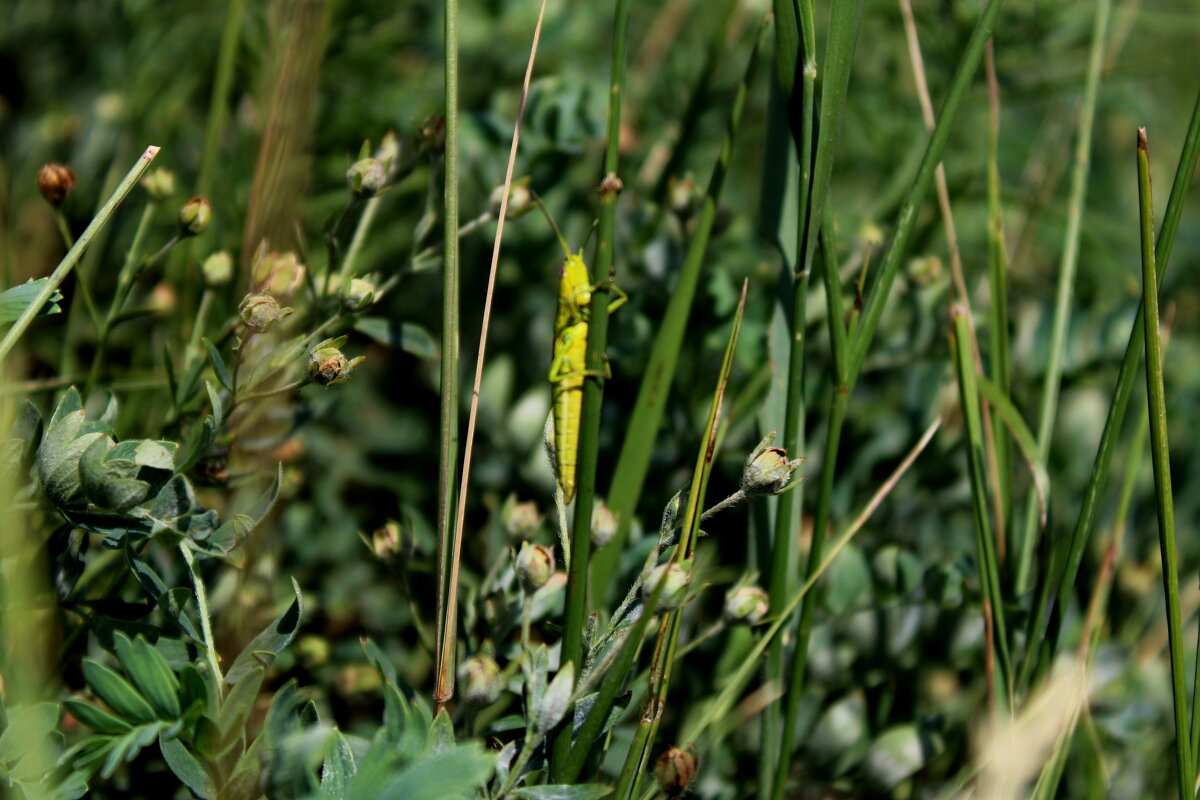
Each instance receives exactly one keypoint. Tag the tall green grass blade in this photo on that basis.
(1028, 532)
(664, 654)
(576, 610)
(989, 571)
(877, 296)
(1160, 458)
(448, 383)
(634, 459)
(1061, 583)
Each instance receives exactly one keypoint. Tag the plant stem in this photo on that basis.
(448, 440)
(1160, 457)
(73, 255)
(210, 648)
(1028, 534)
(577, 602)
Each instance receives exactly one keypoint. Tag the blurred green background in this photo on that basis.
(90, 84)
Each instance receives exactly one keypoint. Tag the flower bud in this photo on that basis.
(358, 294)
(279, 274)
(520, 199)
(768, 469)
(535, 565)
(218, 268)
(385, 542)
(479, 677)
(604, 524)
(260, 311)
(746, 604)
(159, 184)
(520, 520)
(433, 133)
(676, 769)
(327, 364)
(55, 182)
(195, 216)
(366, 177)
(683, 195)
(677, 577)
(389, 151)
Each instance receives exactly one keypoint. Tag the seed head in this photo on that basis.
(55, 182)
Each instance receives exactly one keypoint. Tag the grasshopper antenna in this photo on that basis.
(595, 225)
(562, 240)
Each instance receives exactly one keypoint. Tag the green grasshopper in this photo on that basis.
(568, 367)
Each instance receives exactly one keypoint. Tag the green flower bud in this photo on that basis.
(677, 577)
(535, 566)
(604, 524)
(260, 311)
(385, 542)
(313, 650)
(278, 274)
(366, 177)
(389, 151)
(746, 604)
(358, 294)
(676, 769)
(683, 195)
(159, 184)
(480, 681)
(520, 520)
(218, 268)
(195, 216)
(55, 182)
(327, 364)
(768, 469)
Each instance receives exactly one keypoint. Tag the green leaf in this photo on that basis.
(14, 301)
(187, 768)
(338, 769)
(197, 444)
(263, 648)
(26, 727)
(897, 754)
(583, 791)
(96, 719)
(407, 336)
(449, 775)
(218, 365)
(214, 399)
(117, 693)
(150, 673)
(441, 732)
(236, 707)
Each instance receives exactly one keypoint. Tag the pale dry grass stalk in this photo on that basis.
(446, 646)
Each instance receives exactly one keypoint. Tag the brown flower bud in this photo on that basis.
(327, 364)
(676, 769)
(55, 182)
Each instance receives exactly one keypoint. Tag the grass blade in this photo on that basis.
(1160, 458)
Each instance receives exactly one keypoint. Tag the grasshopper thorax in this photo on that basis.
(575, 285)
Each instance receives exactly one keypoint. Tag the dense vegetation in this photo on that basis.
(872, 489)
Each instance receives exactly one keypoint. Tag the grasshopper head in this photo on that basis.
(575, 285)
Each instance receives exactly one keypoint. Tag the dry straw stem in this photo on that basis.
(956, 267)
(446, 623)
(73, 255)
(1017, 747)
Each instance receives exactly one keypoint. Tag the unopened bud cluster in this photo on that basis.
(259, 311)
(479, 680)
(195, 216)
(676, 576)
(327, 364)
(55, 182)
(676, 769)
(768, 469)
(535, 566)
